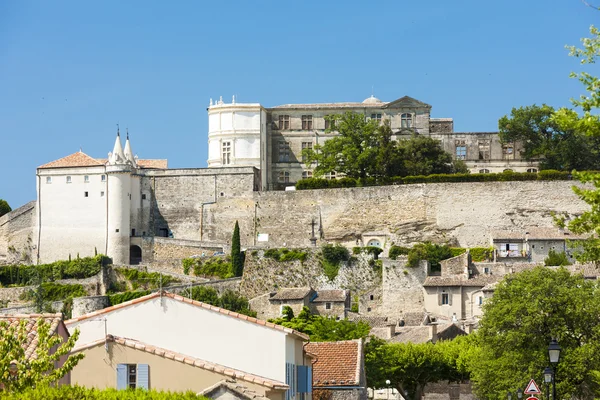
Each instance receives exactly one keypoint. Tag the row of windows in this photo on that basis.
(484, 150)
(69, 179)
(487, 171)
(284, 121)
(284, 176)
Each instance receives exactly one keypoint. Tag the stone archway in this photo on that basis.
(135, 255)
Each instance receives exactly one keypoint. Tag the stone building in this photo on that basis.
(272, 139)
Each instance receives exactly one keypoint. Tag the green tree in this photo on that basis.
(434, 253)
(228, 300)
(37, 371)
(526, 311)
(237, 257)
(4, 207)
(556, 258)
(557, 147)
(423, 155)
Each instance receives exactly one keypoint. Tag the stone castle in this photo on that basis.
(137, 210)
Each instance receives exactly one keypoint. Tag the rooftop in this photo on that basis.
(31, 325)
(292, 294)
(338, 363)
(331, 295)
(80, 159)
(477, 280)
(535, 233)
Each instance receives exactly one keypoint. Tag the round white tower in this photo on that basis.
(236, 134)
(118, 173)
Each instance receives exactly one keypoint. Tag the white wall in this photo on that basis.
(197, 332)
(71, 223)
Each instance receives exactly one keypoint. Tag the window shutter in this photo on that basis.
(287, 381)
(143, 376)
(449, 298)
(294, 380)
(302, 371)
(439, 299)
(309, 380)
(121, 376)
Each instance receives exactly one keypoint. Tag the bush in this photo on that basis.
(332, 257)
(81, 393)
(51, 291)
(119, 298)
(556, 259)
(218, 267)
(79, 268)
(229, 300)
(396, 251)
(368, 249)
(146, 280)
(457, 251)
(286, 255)
(479, 254)
(434, 253)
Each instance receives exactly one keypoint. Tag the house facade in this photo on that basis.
(175, 327)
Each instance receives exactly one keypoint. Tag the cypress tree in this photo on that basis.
(237, 260)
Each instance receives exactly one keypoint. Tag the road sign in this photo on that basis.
(532, 398)
(532, 388)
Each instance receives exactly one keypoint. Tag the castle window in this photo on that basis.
(307, 122)
(103, 178)
(376, 117)
(329, 175)
(406, 120)
(329, 122)
(86, 178)
(284, 151)
(484, 171)
(283, 177)
(307, 174)
(68, 179)
(86, 194)
(532, 170)
(48, 179)
(484, 149)
(461, 152)
(226, 153)
(143, 196)
(508, 151)
(371, 297)
(306, 146)
(284, 122)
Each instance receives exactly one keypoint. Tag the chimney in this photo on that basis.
(433, 333)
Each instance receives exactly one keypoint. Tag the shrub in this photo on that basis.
(286, 255)
(434, 253)
(211, 267)
(146, 280)
(457, 251)
(396, 251)
(368, 249)
(119, 298)
(479, 254)
(80, 393)
(332, 257)
(229, 300)
(556, 259)
(51, 291)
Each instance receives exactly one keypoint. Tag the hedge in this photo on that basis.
(119, 298)
(146, 280)
(80, 268)
(369, 250)
(479, 254)
(81, 393)
(52, 291)
(396, 251)
(286, 255)
(320, 183)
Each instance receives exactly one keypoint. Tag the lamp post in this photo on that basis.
(519, 393)
(548, 379)
(509, 396)
(554, 355)
(387, 382)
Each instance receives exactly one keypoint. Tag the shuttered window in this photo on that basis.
(304, 374)
(121, 376)
(143, 376)
(290, 380)
(133, 376)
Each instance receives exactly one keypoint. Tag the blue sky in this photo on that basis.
(71, 70)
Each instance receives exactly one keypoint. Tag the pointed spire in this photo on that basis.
(117, 156)
(128, 153)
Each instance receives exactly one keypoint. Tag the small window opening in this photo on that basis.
(371, 297)
(143, 196)
(69, 179)
(328, 306)
(86, 194)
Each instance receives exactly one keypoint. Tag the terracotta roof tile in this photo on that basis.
(337, 363)
(478, 280)
(31, 325)
(374, 321)
(331, 295)
(79, 159)
(206, 306)
(292, 294)
(231, 372)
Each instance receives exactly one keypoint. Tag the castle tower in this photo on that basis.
(118, 170)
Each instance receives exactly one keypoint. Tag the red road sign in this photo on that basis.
(532, 388)
(532, 398)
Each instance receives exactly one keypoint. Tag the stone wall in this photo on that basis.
(169, 249)
(219, 285)
(456, 265)
(30, 308)
(88, 304)
(17, 242)
(402, 288)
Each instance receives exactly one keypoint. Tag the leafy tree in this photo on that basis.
(320, 328)
(557, 259)
(557, 147)
(35, 371)
(434, 253)
(237, 257)
(4, 207)
(526, 311)
(423, 155)
(228, 300)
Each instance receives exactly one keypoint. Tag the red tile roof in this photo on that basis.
(338, 363)
(193, 361)
(31, 325)
(331, 295)
(79, 159)
(182, 299)
(292, 294)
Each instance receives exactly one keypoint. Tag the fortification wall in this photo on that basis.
(402, 289)
(461, 213)
(16, 235)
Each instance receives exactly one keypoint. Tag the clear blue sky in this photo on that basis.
(70, 70)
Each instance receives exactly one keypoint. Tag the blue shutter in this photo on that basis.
(143, 376)
(309, 380)
(287, 381)
(302, 372)
(121, 376)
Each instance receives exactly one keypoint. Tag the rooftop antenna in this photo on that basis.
(118, 134)
(127, 130)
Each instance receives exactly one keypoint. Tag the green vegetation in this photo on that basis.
(39, 371)
(556, 259)
(457, 251)
(368, 249)
(480, 254)
(145, 280)
(81, 393)
(547, 175)
(434, 253)
(331, 257)
(228, 300)
(219, 267)
(4, 207)
(22, 275)
(396, 251)
(51, 291)
(119, 298)
(237, 257)
(286, 255)
(365, 149)
(322, 329)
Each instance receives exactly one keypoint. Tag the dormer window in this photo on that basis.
(406, 120)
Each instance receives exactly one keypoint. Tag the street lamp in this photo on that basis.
(387, 382)
(520, 394)
(13, 367)
(509, 396)
(548, 379)
(554, 355)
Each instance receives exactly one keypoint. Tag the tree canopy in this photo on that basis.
(4, 207)
(527, 310)
(320, 328)
(38, 371)
(365, 148)
(557, 146)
